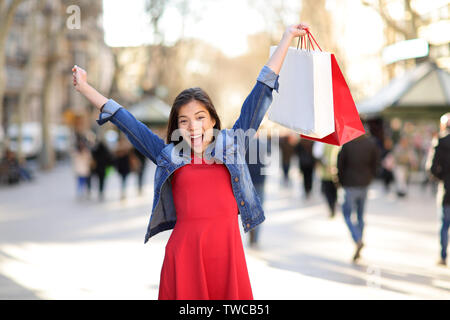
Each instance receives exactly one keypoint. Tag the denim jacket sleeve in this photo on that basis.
(257, 103)
(142, 138)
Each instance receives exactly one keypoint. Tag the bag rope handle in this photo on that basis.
(310, 36)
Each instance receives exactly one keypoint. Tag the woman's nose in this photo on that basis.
(195, 126)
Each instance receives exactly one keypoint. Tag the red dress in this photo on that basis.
(204, 256)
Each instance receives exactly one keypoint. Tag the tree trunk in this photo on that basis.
(2, 90)
(6, 19)
(29, 73)
(47, 156)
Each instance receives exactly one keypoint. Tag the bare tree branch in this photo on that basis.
(381, 10)
(412, 22)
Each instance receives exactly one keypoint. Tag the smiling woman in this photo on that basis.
(198, 198)
(194, 114)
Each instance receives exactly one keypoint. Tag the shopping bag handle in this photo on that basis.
(309, 36)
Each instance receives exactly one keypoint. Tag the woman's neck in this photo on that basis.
(197, 154)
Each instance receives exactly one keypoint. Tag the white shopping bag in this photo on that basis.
(304, 102)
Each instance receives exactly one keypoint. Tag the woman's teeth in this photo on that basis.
(197, 140)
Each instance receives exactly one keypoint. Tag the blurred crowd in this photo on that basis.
(93, 162)
(404, 155)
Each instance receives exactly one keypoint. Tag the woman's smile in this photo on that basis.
(197, 140)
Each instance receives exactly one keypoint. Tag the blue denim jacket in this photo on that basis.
(229, 144)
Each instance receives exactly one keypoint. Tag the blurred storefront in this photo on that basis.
(410, 107)
(422, 93)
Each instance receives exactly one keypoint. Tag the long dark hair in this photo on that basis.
(184, 98)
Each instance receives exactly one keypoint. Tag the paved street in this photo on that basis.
(55, 247)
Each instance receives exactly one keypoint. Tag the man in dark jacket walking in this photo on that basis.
(357, 166)
(440, 168)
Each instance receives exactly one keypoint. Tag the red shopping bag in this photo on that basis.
(348, 125)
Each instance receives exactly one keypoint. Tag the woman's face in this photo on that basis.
(196, 125)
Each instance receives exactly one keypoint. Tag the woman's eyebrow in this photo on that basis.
(195, 113)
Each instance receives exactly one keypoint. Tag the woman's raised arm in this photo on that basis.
(258, 101)
(82, 86)
(142, 138)
(276, 60)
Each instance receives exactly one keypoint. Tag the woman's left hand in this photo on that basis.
(296, 30)
(276, 60)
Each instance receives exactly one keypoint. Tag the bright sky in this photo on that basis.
(223, 23)
(226, 25)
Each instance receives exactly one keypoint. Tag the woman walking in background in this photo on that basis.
(201, 183)
(82, 160)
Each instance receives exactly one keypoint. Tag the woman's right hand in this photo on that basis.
(79, 77)
(81, 85)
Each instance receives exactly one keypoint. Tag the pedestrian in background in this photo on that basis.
(357, 167)
(326, 155)
(287, 145)
(387, 164)
(138, 166)
(81, 160)
(122, 163)
(440, 168)
(101, 159)
(304, 150)
(405, 161)
(430, 179)
(255, 158)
